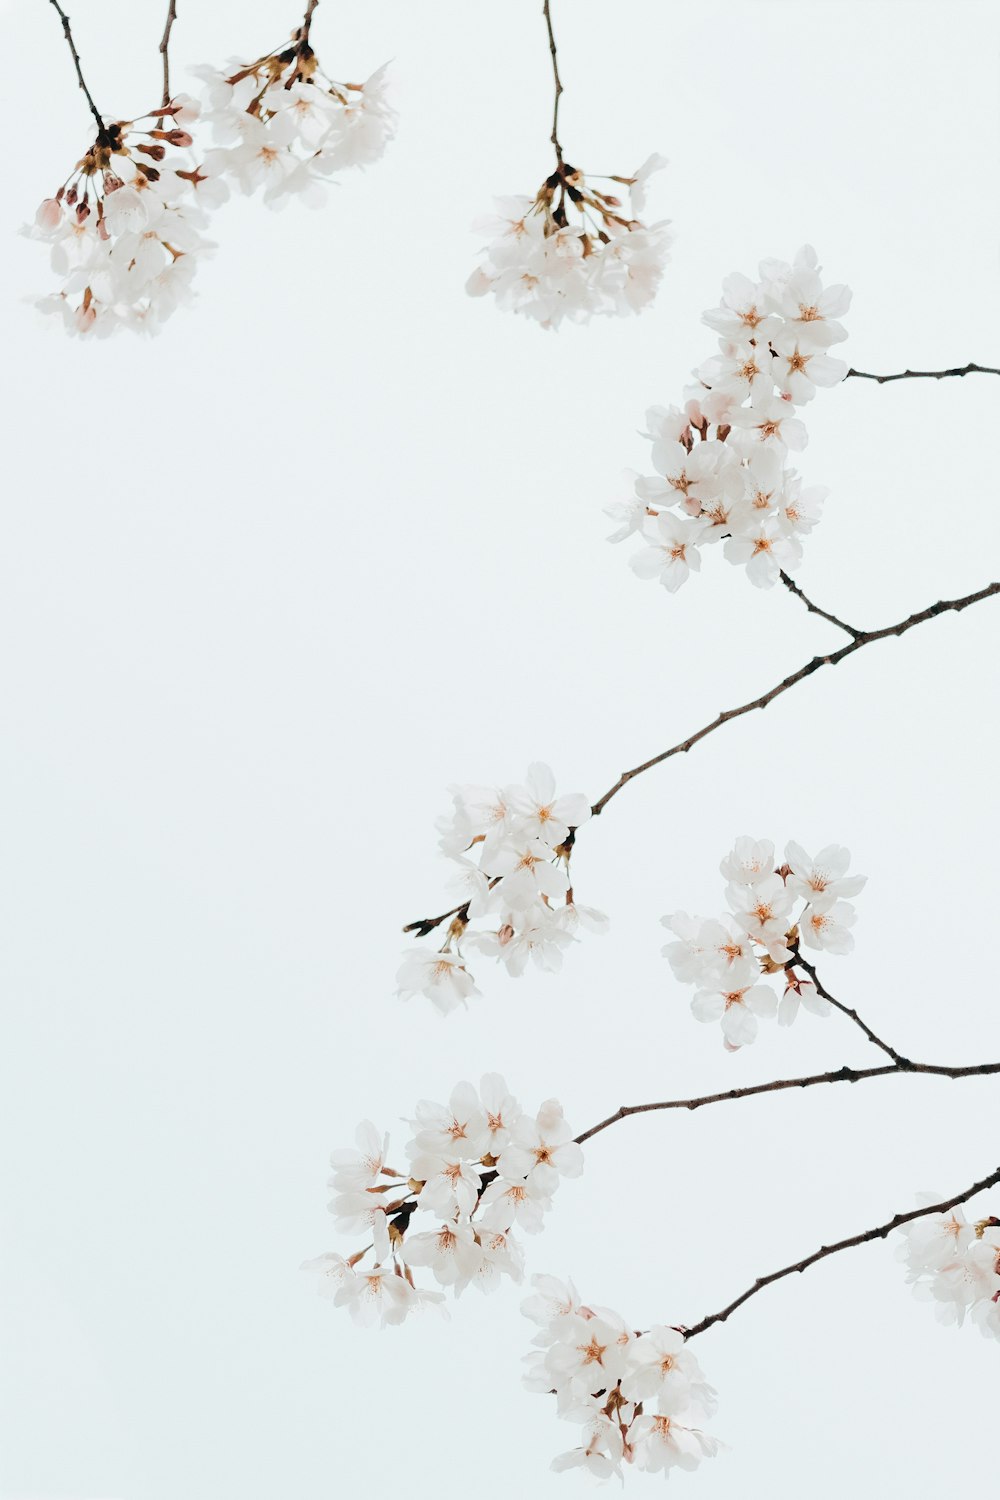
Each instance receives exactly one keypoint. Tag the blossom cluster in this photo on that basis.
(522, 837)
(573, 251)
(727, 957)
(956, 1266)
(479, 1168)
(125, 229)
(637, 1397)
(721, 459)
(283, 126)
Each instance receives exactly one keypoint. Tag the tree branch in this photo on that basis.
(554, 137)
(970, 369)
(424, 925)
(165, 49)
(866, 638)
(814, 609)
(778, 1085)
(306, 26)
(878, 1233)
(901, 1062)
(67, 33)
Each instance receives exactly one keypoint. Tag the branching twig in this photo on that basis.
(306, 26)
(67, 33)
(165, 49)
(970, 369)
(424, 925)
(902, 1063)
(554, 137)
(814, 609)
(865, 638)
(878, 1233)
(838, 1075)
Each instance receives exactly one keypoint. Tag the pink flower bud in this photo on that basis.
(49, 214)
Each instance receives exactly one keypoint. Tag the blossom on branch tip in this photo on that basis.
(638, 1398)
(511, 847)
(721, 458)
(573, 251)
(478, 1170)
(125, 229)
(955, 1265)
(730, 959)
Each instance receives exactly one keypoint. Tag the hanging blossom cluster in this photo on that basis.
(637, 1397)
(956, 1266)
(479, 1168)
(721, 460)
(573, 251)
(512, 848)
(125, 229)
(727, 957)
(284, 127)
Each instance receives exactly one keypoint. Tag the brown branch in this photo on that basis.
(839, 1075)
(306, 27)
(554, 137)
(866, 638)
(165, 49)
(67, 33)
(814, 609)
(425, 925)
(970, 369)
(901, 1062)
(878, 1233)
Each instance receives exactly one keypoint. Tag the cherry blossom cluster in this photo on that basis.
(479, 1168)
(637, 1397)
(521, 837)
(284, 127)
(727, 957)
(125, 229)
(956, 1266)
(721, 460)
(573, 251)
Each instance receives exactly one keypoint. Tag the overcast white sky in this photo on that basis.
(272, 581)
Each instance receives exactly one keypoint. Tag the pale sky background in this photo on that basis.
(334, 540)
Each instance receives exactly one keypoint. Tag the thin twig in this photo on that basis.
(878, 1233)
(554, 137)
(866, 638)
(425, 925)
(67, 33)
(970, 369)
(306, 26)
(838, 1075)
(814, 609)
(901, 1062)
(165, 50)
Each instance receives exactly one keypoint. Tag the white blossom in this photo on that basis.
(721, 458)
(955, 1265)
(573, 251)
(730, 959)
(637, 1397)
(283, 127)
(510, 848)
(126, 229)
(478, 1172)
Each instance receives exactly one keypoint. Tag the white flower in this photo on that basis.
(798, 992)
(662, 1444)
(540, 812)
(602, 1447)
(763, 549)
(543, 1149)
(505, 1203)
(671, 554)
(360, 1169)
(548, 261)
(526, 872)
(451, 1252)
(736, 1001)
(442, 977)
(828, 928)
(749, 862)
(661, 1366)
(823, 880)
(763, 910)
(460, 1126)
